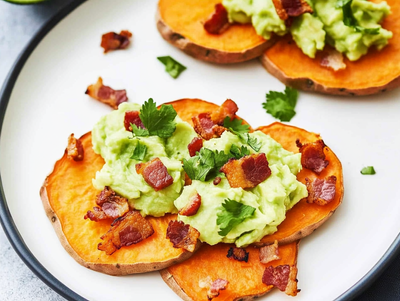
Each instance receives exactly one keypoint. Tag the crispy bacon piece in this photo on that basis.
(125, 231)
(114, 41)
(291, 8)
(238, 254)
(111, 206)
(132, 117)
(313, 156)
(247, 172)
(182, 236)
(75, 149)
(269, 253)
(217, 285)
(205, 127)
(217, 180)
(227, 109)
(282, 277)
(194, 146)
(192, 206)
(218, 22)
(188, 181)
(106, 95)
(333, 59)
(155, 174)
(321, 191)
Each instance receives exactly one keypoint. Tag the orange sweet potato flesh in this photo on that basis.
(245, 279)
(304, 218)
(68, 194)
(375, 72)
(180, 22)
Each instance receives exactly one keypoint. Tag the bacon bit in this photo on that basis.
(205, 127)
(321, 191)
(217, 285)
(188, 181)
(125, 231)
(111, 206)
(218, 22)
(155, 174)
(333, 59)
(282, 277)
(247, 172)
(114, 41)
(227, 109)
(106, 95)
(217, 180)
(132, 117)
(192, 206)
(194, 146)
(269, 253)
(238, 254)
(182, 236)
(291, 8)
(75, 149)
(313, 156)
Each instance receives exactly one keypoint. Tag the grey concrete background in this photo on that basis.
(18, 23)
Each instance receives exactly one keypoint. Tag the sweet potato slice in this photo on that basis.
(181, 23)
(244, 278)
(378, 71)
(304, 218)
(68, 194)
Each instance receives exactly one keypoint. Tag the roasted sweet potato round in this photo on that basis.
(244, 278)
(378, 71)
(181, 24)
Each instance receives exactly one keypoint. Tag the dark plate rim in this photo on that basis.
(16, 239)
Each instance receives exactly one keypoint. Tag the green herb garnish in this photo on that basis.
(173, 67)
(232, 214)
(242, 131)
(157, 122)
(140, 151)
(239, 152)
(205, 165)
(281, 104)
(349, 19)
(369, 170)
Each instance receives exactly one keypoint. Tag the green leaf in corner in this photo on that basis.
(369, 170)
(140, 152)
(232, 214)
(174, 68)
(281, 104)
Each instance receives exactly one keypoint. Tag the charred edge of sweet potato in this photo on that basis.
(118, 269)
(209, 54)
(307, 84)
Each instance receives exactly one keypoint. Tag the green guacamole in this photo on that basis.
(271, 198)
(116, 145)
(312, 31)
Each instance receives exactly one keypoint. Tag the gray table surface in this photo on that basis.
(18, 23)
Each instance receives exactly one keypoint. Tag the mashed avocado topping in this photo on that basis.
(226, 214)
(328, 24)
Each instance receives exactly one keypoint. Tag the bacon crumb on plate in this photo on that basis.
(238, 254)
(283, 277)
(218, 22)
(269, 253)
(75, 149)
(106, 94)
(182, 236)
(114, 41)
(313, 156)
(321, 191)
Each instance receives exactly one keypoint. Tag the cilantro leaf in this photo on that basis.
(235, 125)
(139, 132)
(205, 165)
(232, 214)
(349, 19)
(281, 104)
(254, 143)
(157, 122)
(239, 152)
(174, 68)
(139, 152)
(369, 170)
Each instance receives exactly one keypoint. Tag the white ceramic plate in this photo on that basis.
(48, 103)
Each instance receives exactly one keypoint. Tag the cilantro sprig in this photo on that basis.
(369, 170)
(349, 19)
(157, 122)
(281, 104)
(205, 165)
(239, 152)
(242, 131)
(173, 67)
(231, 214)
(139, 152)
